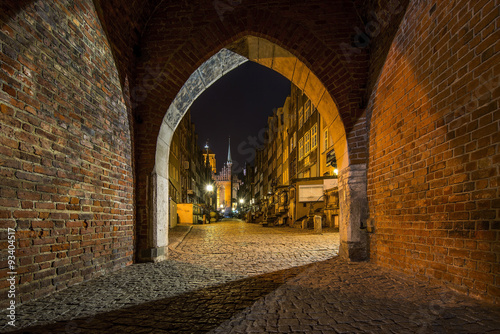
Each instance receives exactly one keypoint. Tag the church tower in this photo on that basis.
(229, 160)
(223, 181)
(209, 157)
(228, 177)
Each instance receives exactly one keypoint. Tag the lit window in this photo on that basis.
(308, 110)
(314, 136)
(307, 144)
(301, 148)
(325, 136)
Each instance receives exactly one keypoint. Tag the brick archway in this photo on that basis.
(274, 57)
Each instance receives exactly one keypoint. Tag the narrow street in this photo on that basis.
(235, 277)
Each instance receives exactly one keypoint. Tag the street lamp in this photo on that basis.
(242, 201)
(209, 188)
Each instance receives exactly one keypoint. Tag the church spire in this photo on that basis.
(229, 160)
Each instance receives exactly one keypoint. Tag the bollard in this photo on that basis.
(317, 224)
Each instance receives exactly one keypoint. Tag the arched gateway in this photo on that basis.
(352, 178)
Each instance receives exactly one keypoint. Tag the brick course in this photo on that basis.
(433, 156)
(67, 182)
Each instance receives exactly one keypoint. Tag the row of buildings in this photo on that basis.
(195, 187)
(188, 173)
(295, 171)
(294, 175)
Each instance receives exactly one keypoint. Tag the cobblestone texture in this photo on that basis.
(216, 281)
(247, 249)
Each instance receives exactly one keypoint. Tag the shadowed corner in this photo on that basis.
(195, 312)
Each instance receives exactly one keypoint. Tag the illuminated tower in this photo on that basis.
(209, 155)
(229, 160)
(228, 176)
(223, 182)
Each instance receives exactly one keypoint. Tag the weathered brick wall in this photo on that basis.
(65, 148)
(433, 181)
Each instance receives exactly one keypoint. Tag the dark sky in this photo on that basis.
(237, 105)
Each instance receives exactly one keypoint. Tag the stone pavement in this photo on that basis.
(249, 249)
(234, 277)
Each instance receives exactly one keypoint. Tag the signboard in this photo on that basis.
(331, 160)
(330, 183)
(310, 192)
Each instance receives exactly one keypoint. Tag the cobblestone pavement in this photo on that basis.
(250, 249)
(200, 257)
(233, 277)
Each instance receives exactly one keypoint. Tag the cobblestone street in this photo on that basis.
(234, 277)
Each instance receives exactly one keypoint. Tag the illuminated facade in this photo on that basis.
(223, 182)
(296, 168)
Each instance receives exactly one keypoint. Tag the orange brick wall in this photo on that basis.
(433, 179)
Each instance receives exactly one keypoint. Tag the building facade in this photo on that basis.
(294, 174)
(188, 172)
(227, 184)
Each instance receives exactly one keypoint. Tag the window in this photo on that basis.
(175, 149)
(301, 117)
(308, 110)
(175, 173)
(325, 136)
(301, 148)
(291, 144)
(314, 136)
(307, 144)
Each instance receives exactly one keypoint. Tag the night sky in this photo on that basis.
(237, 105)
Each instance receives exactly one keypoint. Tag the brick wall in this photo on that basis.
(65, 148)
(66, 156)
(433, 181)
